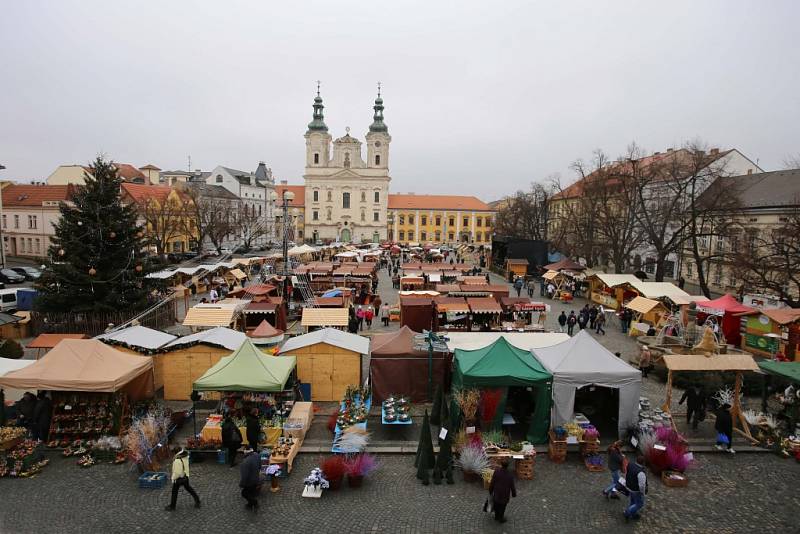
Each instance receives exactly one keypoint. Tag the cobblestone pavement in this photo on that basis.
(727, 494)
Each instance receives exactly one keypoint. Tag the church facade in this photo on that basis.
(346, 196)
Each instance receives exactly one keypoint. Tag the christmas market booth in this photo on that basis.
(725, 311)
(45, 342)
(265, 335)
(182, 361)
(138, 340)
(766, 332)
(397, 368)
(417, 312)
(646, 312)
(270, 309)
(523, 312)
(589, 380)
(516, 267)
(316, 318)
(514, 389)
(92, 387)
(328, 361)
(248, 380)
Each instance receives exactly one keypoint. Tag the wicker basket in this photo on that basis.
(589, 447)
(10, 443)
(593, 468)
(524, 468)
(557, 449)
(681, 482)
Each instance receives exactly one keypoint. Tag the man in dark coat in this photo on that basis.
(562, 321)
(231, 438)
(592, 316)
(249, 479)
(724, 428)
(501, 489)
(25, 408)
(695, 405)
(41, 417)
(253, 429)
(571, 320)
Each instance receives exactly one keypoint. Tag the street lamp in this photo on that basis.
(288, 196)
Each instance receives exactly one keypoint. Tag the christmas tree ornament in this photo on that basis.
(61, 252)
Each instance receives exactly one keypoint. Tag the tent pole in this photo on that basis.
(668, 400)
(737, 407)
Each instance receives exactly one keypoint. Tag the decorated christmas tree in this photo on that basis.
(437, 406)
(97, 261)
(425, 459)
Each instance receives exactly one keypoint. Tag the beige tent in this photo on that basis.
(85, 365)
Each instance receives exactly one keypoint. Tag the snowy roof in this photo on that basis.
(139, 336)
(220, 336)
(330, 336)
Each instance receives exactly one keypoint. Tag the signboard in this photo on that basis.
(765, 344)
(531, 306)
(606, 300)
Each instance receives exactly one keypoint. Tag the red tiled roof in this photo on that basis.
(299, 194)
(34, 195)
(150, 167)
(437, 202)
(141, 192)
(128, 172)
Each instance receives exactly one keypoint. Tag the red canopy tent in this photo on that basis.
(565, 264)
(726, 307)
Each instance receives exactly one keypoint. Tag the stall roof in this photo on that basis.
(658, 290)
(550, 275)
(451, 304)
(483, 305)
(447, 288)
(79, 365)
(48, 341)
(417, 298)
(238, 273)
(782, 316)
(521, 340)
(516, 261)
(474, 280)
(642, 304)
(717, 362)
(247, 369)
(725, 303)
(788, 370)
(139, 336)
(221, 313)
(614, 280)
(394, 344)
(219, 337)
(324, 317)
(162, 275)
(329, 336)
(582, 360)
(260, 307)
(258, 290)
(265, 330)
(565, 264)
(501, 363)
(329, 301)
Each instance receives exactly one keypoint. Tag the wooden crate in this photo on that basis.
(524, 468)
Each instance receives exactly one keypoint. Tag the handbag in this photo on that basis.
(488, 505)
(722, 438)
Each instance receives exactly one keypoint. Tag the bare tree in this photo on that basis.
(525, 214)
(164, 219)
(792, 162)
(213, 216)
(249, 225)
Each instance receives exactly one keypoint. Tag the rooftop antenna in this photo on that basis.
(190, 162)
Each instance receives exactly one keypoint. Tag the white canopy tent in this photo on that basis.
(583, 361)
(6, 366)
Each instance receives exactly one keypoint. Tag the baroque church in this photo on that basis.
(346, 197)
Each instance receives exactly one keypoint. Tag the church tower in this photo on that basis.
(318, 140)
(378, 138)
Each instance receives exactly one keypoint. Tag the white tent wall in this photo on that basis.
(564, 403)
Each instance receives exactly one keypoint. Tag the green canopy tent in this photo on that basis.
(787, 370)
(502, 365)
(247, 369)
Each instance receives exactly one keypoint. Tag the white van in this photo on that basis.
(8, 300)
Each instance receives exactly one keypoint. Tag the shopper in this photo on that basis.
(500, 488)
(518, 285)
(249, 479)
(571, 320)
(41, 417)
(616, 464)
(592, 317)
(253, 429)
(231, 438)
(645, 360)
(368, 316)
(695, 405)
(636, 482)
(599, 321)
(213, 295)
(360, 317)
(25, 408)
(384, 314)
(724, 428)
(562, 321)
(180, 477)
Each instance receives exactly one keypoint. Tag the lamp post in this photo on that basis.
(287, 197)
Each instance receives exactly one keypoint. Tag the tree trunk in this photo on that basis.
(660, 261)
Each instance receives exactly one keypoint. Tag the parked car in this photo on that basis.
(30, 273)
(8, 299)
(10, 277)
(225, 251)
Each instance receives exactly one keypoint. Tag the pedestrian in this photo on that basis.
(616, 464)
(501, 488)
(681, 282)
(25, 408)
(2, 407)
(562, 321)
(41, 417)
(531, 286)
(598, 324)
(645, 360)
(368, 316)
(571, 320)
(592, 316)
(384, 314)
(724, 428)
(542, 286)
(651, 331)
(518, 285)
(180, 477)
(583, 318)
(551, 291)
(253, 429)
(231, 438)
(636, 482)
(695, 405)
(213, 295)
(360, 317)
(249, 479)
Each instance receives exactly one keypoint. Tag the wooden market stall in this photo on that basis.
(328, 361)
(417, 312)
(137, 339)
(44, 342)
(270, 309)
(767, 332)
(515, 267)
(316, 318)
(14, 325)
(727, 310)
(612, 290)
(647, 312)
(265, 335)
(296, 427)
(226, 313)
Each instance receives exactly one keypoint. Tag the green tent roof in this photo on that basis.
(247, 369)
(499, 364)
(788, 370)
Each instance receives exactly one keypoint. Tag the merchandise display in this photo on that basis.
(87, 416)
(352, 420)
(395, 411)
(22, 460)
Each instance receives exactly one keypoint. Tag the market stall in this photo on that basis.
(647, 311)
(516, 267)
(523, 312)
(417, 312)
(582, 368)
(265, 335)
(726, 309)
(14, 325)
(510, 373)
(766, 332)
(250, 379)
(316, 318)
(452, 313)
(397, 368)
(272, 310)
(521, 340)
(328, 361)
(225, 313)
(352, 420)
(294, 430)
(44, 342)
(485, 312)
(137, 339)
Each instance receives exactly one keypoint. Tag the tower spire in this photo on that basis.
(318, 122)
(377, 119)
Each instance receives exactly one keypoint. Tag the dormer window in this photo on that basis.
(219, 178)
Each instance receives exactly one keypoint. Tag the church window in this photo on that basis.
(315, 215)
(363, 196)
(376, 216)
(330, 196)
(377, 159)
(316, 195)
(316, 159)
(410, 219)
(346, 201)
(377, 197)
(423, 220)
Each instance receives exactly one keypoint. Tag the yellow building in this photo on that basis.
(439, 219)
(162, 211)
(296, 211)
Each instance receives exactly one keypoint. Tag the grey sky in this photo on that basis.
(481, 97)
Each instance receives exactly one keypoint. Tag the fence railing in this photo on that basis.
(93, 324)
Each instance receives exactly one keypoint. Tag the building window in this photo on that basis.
(376, 216)
(488, 222)
(363, 216)
(410, 235)
(316, 195)
(410, 219)
(718, 275)
(720, 245)
(30, 245)
(438, 221)
(478, 237)
(363, 196)
(300, 234)
(690, 270)
(488, 237)
(450, 236)
(4, 222)
(423, 236)
(466, 222)
(219, 178)
(38, 244)
(377, 159)
(16, 221)
(478, 221)
(315, 215)
(401, 219)
(329, 214)
(346, 201)
(330, 196)
(452, 221)
(438, 235)
(401, 235)
(316, 159)
(423, 221)
(650, 265)
(377, 197)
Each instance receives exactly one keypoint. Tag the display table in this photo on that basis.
(289, 458)
(213, 431)
(299, 420)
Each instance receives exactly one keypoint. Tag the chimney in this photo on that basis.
(714, 151)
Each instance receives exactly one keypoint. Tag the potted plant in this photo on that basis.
(357, 467)
(333, 468)
(473, 461)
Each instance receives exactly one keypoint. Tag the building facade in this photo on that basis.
(346, 197)
(254, 189)
(439, 219)
(74, 174)
(296, 212)
(29, 215)
(165, 214)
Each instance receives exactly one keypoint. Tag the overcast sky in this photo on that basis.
(481, 97)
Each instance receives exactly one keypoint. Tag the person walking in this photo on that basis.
(368, 316)
(501, 488)
(542, 286)
(724, 427)
(583, 318)
(25, 408)
(645, 361)
(360, 317)
(571, 320)
(180, 478)
(249, 479)
(562, 321)
(384, 314)
(213, 295)
(636, 482)
(518, 285)
(695, 405)
(616, 464)
(253, 429)
(599, 321)
(231, 438)
(531, 286)
(592, 316)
